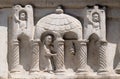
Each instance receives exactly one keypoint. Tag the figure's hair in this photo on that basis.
(23, 11)
(43, 37)
(95, 13)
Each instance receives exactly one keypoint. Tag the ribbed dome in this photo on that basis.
(59, 22)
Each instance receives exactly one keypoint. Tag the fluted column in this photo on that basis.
(82, 56)
(35, 57)
(59, 58)
(102, 56)
(15, 58)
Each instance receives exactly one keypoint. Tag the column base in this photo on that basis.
(19, 68)
(82, 71)
(14, 70)
(60, 71)
(103, 71)
(34, 70)
(117, 70)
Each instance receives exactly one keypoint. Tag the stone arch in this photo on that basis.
(78, 31)
(94, 36)
(22, 36)
(70, 38)
(62, 26)
(70, 35)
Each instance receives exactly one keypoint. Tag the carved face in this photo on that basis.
(22, 16)
(48, 40)
(95, 17)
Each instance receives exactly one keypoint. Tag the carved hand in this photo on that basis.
(72, 51)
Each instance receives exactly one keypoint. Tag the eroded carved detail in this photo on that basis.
(22, 29)
(49, 52)
(95, 28)
(51, 33)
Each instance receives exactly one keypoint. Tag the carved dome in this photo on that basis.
(59, 22)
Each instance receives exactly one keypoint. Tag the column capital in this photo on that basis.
(83, 42)
(99, 43)
(59, 40)
(15, 42)
(36, 41)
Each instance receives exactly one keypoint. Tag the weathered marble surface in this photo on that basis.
(75, 9)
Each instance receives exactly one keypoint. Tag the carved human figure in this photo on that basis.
(16, 67)
(22, 20)
(96, 20)
(49, 52)
(94, 23)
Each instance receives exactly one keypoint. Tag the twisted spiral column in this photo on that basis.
(15, 57)
(59, 58)
(102, 56)
(35, 57)
(82, 56)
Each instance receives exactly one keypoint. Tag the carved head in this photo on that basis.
(22, 15)
(95, 17)
(48, 40)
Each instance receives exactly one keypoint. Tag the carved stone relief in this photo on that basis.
(58, 44)
(22, 29)
(95, 30)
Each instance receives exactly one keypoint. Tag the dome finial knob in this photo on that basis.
(59, 10)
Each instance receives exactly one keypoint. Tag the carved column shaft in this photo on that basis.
(59, 59)
(35, 57)
(102, 56)
(82, 56)
(15, 56)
